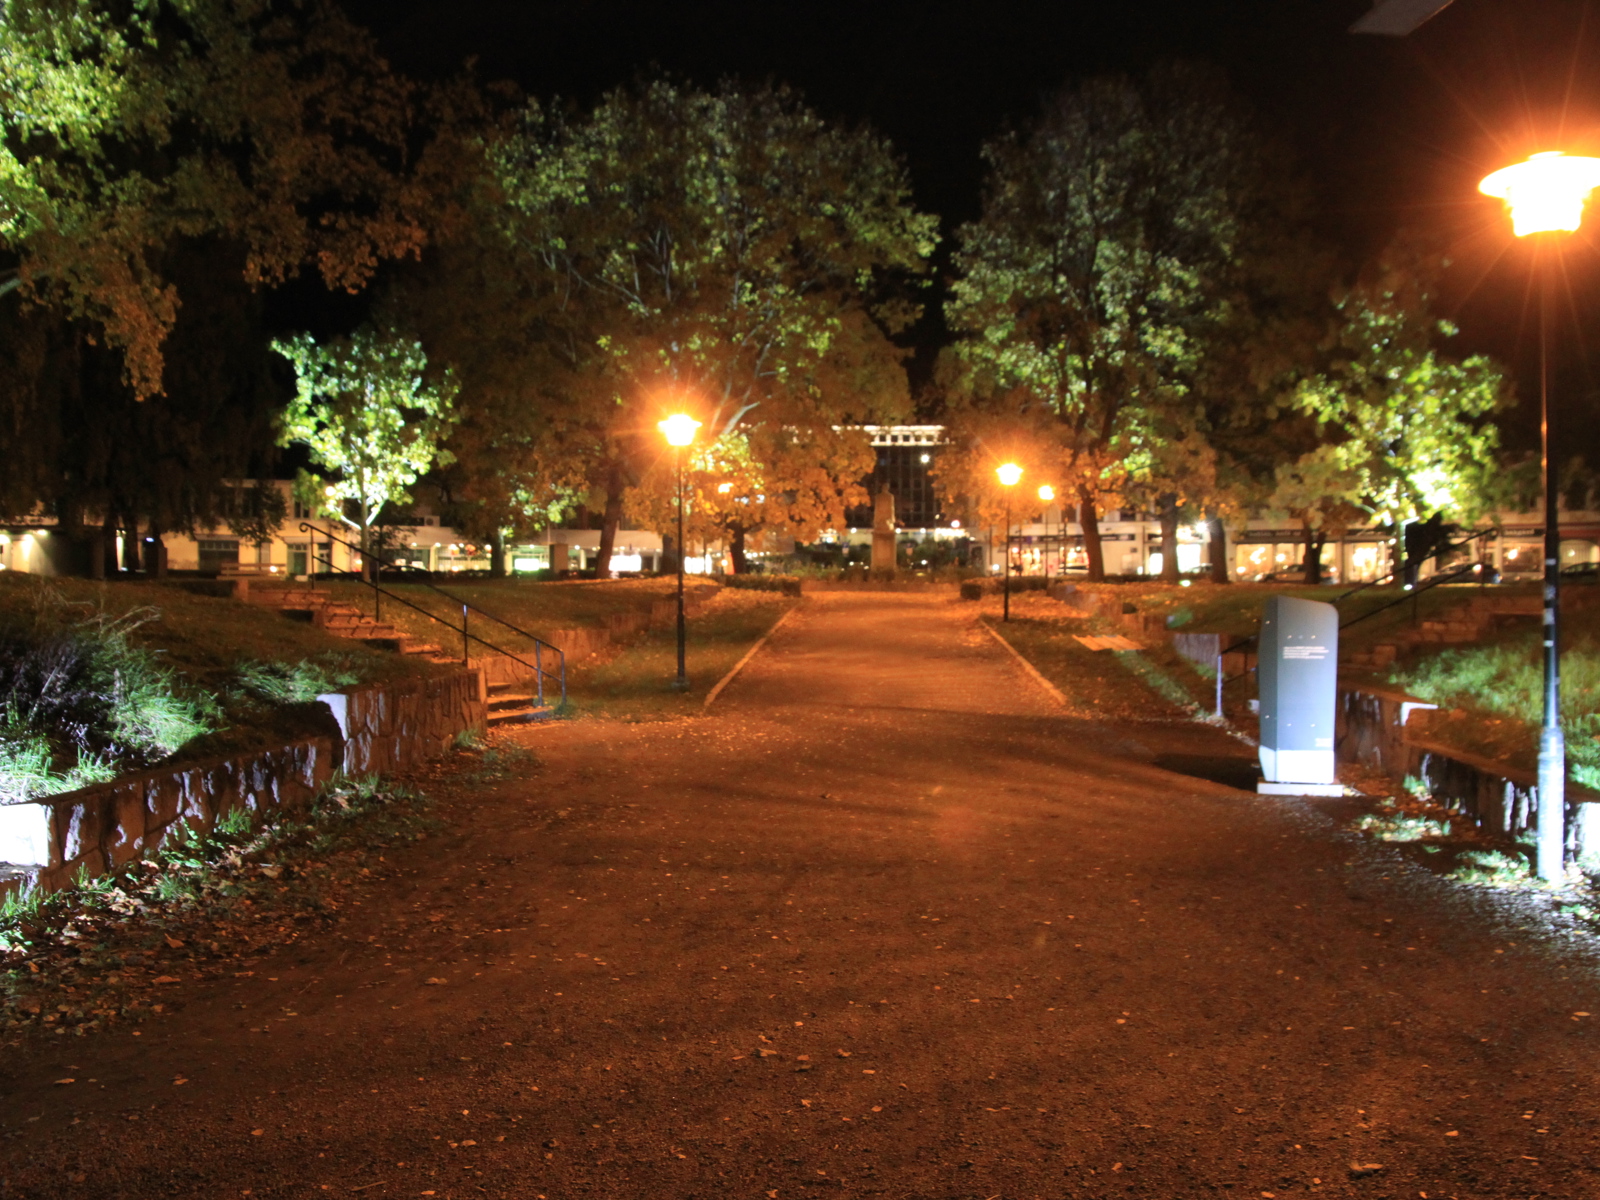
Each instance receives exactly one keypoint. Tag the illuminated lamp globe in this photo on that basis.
(1546, 194)
(1010, 474)
(1047, 493)
(679, 429)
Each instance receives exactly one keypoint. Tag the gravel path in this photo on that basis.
(883, 924)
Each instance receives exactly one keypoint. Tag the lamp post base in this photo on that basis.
(1551, 847)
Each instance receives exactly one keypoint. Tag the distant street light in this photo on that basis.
(1546, 195)
(1010, 475)
(679, 430)
(1048, 495)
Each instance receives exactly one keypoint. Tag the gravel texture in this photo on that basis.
(885, 923)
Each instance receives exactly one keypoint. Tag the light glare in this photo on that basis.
(679, 429)
(1010, 474)
(1546, 194)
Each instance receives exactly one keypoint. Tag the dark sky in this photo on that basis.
(1393, 132)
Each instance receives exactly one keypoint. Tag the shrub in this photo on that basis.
(78, 700)
(295, 682)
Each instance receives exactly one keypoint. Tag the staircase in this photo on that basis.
(509, 702)
(1463, 622)
(342, 620)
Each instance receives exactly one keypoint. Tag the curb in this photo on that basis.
(1027, 666)
(748, 655)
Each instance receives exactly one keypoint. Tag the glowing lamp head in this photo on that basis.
(1546, 194)
(679, 429)
(1047, 493)
(1010, 474)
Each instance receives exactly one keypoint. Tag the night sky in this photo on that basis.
(1393, 132)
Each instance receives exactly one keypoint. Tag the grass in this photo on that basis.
(636, 683)
(1154, 683)
(100, 678)
(1492, 692)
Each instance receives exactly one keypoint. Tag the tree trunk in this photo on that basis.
(1169, 539)
(497, 554)
(668, 564)
(1089, 522)
(108, 548)
(1219, 551)
(130, 544)
(615, 488)
(1315, 538)
(155, 554)
(741, 564)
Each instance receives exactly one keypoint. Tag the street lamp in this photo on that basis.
(1010, 475)
(1048, 495)
(679, 431)
(1546, 195)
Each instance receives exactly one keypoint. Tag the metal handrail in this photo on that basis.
(1361, 587)
(539, 644)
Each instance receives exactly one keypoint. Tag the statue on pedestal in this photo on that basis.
(883, 534)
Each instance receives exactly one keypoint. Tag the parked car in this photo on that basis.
(1581, 572)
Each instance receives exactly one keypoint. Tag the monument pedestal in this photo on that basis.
(883, 535)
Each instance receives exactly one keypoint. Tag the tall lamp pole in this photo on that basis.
(679, 430)
(1545, 195)
(1010, 475)
(1047, 494)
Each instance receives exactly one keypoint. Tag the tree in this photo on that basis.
(368, 411)
(1402, 432)
(270, 124)
(1121, 238)
(709, 249)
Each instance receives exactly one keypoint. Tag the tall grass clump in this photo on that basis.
(295, 682)
(80, 701)
(1507, 680)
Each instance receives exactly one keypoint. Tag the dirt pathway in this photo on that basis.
(881, 925)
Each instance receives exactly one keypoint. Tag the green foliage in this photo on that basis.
(295, 682)
(125, 127)
(366, 409)
(79, 701)
(1507, 678)
(1402, 430)
(1492, 868)
(727, 251)
(1403, 827)
(1127, 240)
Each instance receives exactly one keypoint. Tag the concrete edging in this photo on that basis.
(1033, 671)
(748, 655)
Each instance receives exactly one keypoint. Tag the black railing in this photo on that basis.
(540, 674)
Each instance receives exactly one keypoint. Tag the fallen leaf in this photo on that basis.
(166, 979)
(175, 943)
(435, 981)
(1453, 1133)
(765, 1053)
(843, 1053)
(257, 1132)
(469, 1143)
(60, 1082)
(1360, 1170)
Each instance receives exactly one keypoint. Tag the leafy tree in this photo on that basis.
(716, 250)
(128, 124)
(370, 415)
(1123, 238)
(1402, 432)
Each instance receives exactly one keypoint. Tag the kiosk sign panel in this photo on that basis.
(1298, 674)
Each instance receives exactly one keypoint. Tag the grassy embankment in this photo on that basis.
(631, 681)
(97, 679)
(1157, 682)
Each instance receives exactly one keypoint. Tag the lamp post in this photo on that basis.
(1048, 495)
(1010, 475)
(679, 431)
(1545, 195)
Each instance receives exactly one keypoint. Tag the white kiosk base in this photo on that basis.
(1267, 788)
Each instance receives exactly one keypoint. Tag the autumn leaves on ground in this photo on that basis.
(885, 921)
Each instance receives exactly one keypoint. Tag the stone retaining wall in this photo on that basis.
(98, 829)
(1388, 731)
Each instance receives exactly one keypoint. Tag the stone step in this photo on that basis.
(515, 715)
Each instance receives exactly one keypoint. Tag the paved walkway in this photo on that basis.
(881, 925)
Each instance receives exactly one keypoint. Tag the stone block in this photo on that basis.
(26, 839)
